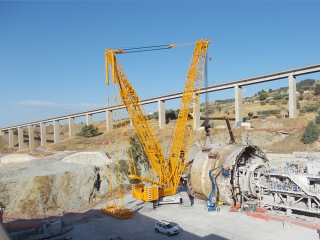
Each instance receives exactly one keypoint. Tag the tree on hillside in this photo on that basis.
(263, 96)
(305, 84)
(171, 114)
(88, 131)
(311, 133)
(317, 90)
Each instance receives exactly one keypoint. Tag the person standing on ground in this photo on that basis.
(247, 140)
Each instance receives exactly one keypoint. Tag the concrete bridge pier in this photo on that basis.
(11, 138)
(109, 120)
(88, 119)
(161, 113)
(238, 103)
(292, 97)
(31, 136)
(43, 134)
(20, 138)
(56, 131)
(71, 127)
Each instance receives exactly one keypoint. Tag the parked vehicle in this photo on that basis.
(166, 227)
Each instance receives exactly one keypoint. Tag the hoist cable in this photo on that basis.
(206, 94)
(151, 48)
(165, 45)
(146, 50)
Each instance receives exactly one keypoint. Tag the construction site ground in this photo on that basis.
(195, 223)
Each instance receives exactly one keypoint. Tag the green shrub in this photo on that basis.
(123, 169)
(138, 155)
(318, 119)
(284, 102)
(208, 110)
(262, 103)
(302, 111)
(250, 115)
(263, 96)
(269, 112)
(300, 97)
(277, 97)
(311, 108)
(262, 116)
(273, 102)
(88, 131)
(311, 133)
(154, 115)
(317, 90)
(171, 114)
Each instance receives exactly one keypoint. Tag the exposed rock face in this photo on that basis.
(49, 185)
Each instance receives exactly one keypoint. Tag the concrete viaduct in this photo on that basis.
(237, 85)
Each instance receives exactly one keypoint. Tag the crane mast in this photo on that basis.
(190, 99)
(168, 171)
(131, 101)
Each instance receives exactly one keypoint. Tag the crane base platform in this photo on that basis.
(117, 212)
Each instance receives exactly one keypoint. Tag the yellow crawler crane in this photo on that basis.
(168, 171)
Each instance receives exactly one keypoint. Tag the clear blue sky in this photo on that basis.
(52, 53)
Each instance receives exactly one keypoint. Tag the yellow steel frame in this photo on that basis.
(169, 172)
(190, 99)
